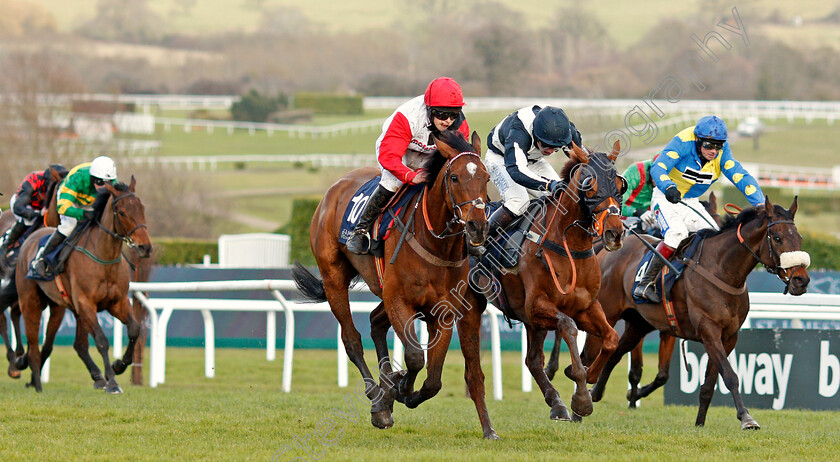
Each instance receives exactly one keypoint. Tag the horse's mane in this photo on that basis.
(568, 167)
(102, 199)
(747, 215)
(453, 139)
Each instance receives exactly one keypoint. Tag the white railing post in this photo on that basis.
(153, 327)
(163, 321)
(527, 385)
(45, 367)
(343, 380)
(209, 344)
(495, 352)
(289, 349)
(118, 338)
(270, 335)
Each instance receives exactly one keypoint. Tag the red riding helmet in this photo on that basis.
(444, 92)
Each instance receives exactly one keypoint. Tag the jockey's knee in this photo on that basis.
(673, 237)
(516, 204)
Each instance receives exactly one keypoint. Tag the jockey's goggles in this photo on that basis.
(545, 147)
(98, 181)
(445, 115)
(716, 145)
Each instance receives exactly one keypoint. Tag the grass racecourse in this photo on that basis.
(242, 414)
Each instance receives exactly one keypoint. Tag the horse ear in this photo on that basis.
(56, 177)
(132, 184)
(768, 206)
(475, 140)
(579, 154)
(713, 201)
(616, 150)
(794, 206)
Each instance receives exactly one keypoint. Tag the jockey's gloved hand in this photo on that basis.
(556, 187)
(87, 215)
(673, 195)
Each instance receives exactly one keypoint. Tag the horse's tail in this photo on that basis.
(309, 285)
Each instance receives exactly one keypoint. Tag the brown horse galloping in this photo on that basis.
(666, 341)
(557, 280)
(427, 280)
(95, 279)
(710, 300)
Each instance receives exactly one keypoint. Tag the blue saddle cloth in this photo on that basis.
(386, 220)
(687, 251)
(50, 258)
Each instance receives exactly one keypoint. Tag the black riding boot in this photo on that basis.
(39, 265)
(498, 221)
(359, 242)
(10, 238)
(647, 285)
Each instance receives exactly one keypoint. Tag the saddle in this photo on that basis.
(691, 246)
(55, 260)
(382, 226)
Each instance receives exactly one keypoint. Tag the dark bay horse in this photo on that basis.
(710, 300)
(95, 278)
(556, 283)
(666, 341)
(8, 292)
(427, 280)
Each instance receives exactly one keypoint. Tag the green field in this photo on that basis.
(242, 414)
(626, 22)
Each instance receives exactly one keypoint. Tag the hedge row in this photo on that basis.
(824, 251)
(184, 251)
(324, 103)
(298, 229)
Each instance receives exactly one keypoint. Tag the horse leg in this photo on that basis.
(594, 321)
(379, 325)
(440, 336)
(554, 359)
(10, 352)
(124, 314)
(82, 347)
(666, 350)
(56, 316)
(635, 330)
(581, 399)
(22, 359)
(718, 351)
(336, 284)
(87, 313)
(32, 324)
(469, 333)
(634, 376)
(707, 391)
(534, 358)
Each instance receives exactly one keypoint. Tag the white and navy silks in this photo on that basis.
(406, 143)
(516, 165)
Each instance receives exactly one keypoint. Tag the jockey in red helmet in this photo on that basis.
(405, 148)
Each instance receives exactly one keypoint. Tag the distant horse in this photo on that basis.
(556, 283)
(95, 278)
(425, 281)
(8, 293)
(666, 341)
(710, 300)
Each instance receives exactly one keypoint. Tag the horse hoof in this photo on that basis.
(560, 413)
(576, 418)
(596, 394)
(119, 366)
(22, 362)
(381, 419)
(114, 390)
(13, 372)
(582, 404)
(749, 424)
(99, 384)
(491, 435)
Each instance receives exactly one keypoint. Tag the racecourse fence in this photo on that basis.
(764, 308)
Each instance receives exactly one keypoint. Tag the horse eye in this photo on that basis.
(454, 178)
(777, 239)
(122, 214)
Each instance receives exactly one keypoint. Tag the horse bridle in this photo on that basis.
(775, 257)
(596, 218)
(125, 237)
(458, 214)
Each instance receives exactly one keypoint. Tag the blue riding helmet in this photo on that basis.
(552, 127)
(711, 128)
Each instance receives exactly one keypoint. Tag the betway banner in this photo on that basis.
(777, 369)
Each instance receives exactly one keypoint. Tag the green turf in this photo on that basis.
(242, 414)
